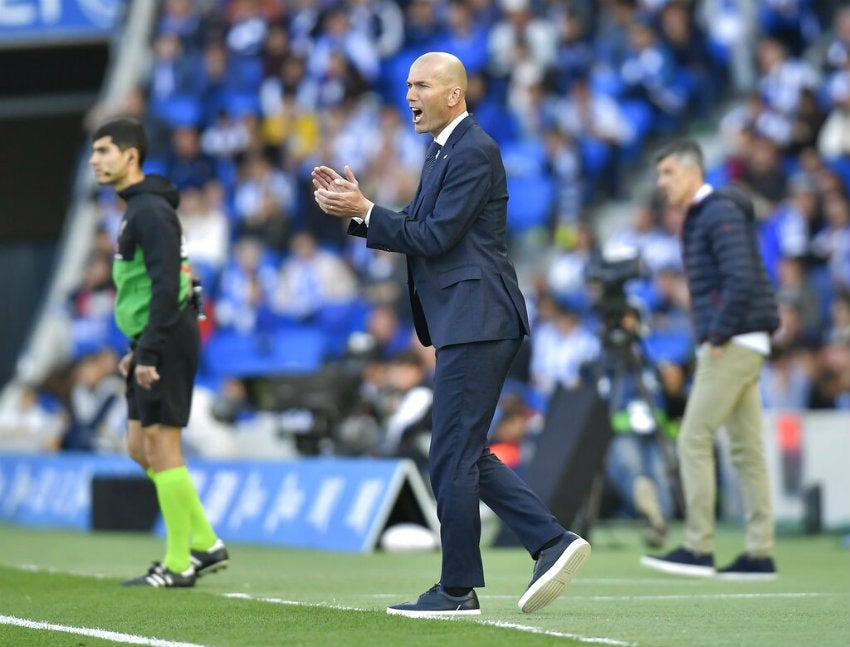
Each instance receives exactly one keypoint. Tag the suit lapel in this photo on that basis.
(432, 182)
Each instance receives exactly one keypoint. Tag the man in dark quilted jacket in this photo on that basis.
(733, 311)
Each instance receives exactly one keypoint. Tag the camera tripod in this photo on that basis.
(622, 356)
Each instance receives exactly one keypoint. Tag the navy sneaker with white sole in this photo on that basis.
(553, 571)
(749, 569)
(682, 562)
(435, 602)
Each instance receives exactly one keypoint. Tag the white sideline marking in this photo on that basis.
(641, 598)
(493, 623)
(630, 581)
(292, 603)
(94, 633)
(694, 596)
(32, 568)
(556, 634)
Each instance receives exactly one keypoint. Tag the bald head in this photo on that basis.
(445, 67)
(436, 91)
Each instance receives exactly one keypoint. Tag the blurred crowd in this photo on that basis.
(308, 346)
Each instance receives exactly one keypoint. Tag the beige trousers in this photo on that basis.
(725, 393)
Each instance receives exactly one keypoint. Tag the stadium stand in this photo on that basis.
(246, 96)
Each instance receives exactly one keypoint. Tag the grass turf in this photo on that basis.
(276, 596)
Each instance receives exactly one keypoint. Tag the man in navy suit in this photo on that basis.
(466, 302)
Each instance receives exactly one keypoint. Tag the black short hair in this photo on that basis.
(684, 150)
(125, 132)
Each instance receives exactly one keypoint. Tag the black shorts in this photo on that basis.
(169, 400)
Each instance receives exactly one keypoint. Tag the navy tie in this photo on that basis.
(430, 159)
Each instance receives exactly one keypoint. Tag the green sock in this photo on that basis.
(174, 490)
(202, 535)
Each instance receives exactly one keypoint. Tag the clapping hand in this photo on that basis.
(325, 177)
(339, 196)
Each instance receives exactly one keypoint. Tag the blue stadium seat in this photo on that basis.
(595, 155)
(227, 171)
(497, 121)
(524, 158)
(241, 103)
(179, 110)
(245, 73)
(393, 78)
(717, 175)
(639, 114)
(287, 350)
(530, 203)
(606, 81)
(345, 317)
(155, 165)
(339, 320)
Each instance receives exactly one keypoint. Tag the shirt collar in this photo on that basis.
(702, 193)
(443, 137)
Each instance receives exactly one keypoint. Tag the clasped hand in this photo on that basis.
(339, 196)
(145, 375)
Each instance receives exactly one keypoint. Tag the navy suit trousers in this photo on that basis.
(468, 382)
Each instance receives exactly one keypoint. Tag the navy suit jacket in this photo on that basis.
(463, 287)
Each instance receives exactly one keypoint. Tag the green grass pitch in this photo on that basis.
(60, 588)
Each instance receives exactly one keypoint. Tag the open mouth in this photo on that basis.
(417, 115)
